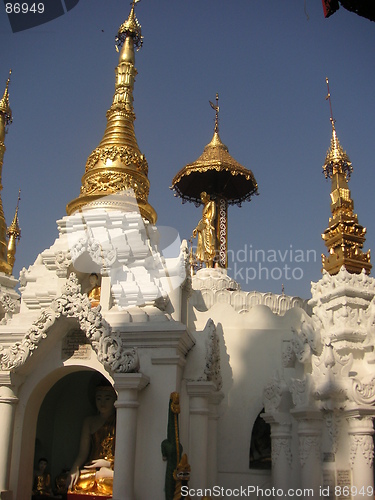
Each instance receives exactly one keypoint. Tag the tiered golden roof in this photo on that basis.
(117, 165)
(5, 121)
(344, 237)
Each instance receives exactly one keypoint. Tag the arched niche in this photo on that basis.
(60, 418)
(260, 445)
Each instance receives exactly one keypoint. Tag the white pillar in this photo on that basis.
(199, 393)
(281, 438)
(361, 430)
(127, 386)
(214, 401)
(309, 434)
(7, 404)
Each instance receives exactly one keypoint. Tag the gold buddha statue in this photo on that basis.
(206, 232)
(94, 292)
(92, 471)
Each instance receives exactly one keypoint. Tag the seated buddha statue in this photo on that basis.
(92, 471)
(94, 292)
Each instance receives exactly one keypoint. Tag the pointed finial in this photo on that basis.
(216, 109)
(14, 235)
(328, 98)
(130, 28)
(336, 159)
(4, 103)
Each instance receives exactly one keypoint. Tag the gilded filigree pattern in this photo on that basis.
(113, 182)
(125, 154)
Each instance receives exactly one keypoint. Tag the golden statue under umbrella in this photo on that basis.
(215, 180)
(206, 232)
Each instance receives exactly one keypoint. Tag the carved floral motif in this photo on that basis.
(308, 445)
(272, 393)
(365, 444)
(73, 304)
(279, 445)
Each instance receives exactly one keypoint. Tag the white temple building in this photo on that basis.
(275, 394)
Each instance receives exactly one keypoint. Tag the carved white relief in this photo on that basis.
(62, 262)
(300, 389)
(332, 420)
(363, 392)
(9, 305)
(281, 446)
(212, 369)
(363, 444)
(102, 253)
(72, 303)
(305, 341)
(331, 382)
(330, 283)
(273, 393)
(288, 355)
(309, 446)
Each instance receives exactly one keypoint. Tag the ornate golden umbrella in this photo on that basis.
(219, 175)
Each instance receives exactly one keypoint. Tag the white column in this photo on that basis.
(309, 434)
(214, 401)
(281, 438)
(199, 393)
(7, 404)
(127, 386)
(361, 430)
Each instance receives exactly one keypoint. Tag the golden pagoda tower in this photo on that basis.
(344, 236)
(117, 165)
(5, 121)
(14, 235)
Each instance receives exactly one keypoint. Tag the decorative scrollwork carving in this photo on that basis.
(73, 304)
(279, 445)
(212, 369)
(308, 445)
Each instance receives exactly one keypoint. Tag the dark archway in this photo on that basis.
(260, 445)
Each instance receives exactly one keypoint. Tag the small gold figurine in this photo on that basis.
(42, 480)
(94, 293)
(206, 232)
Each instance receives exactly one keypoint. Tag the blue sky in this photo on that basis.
(267, 60)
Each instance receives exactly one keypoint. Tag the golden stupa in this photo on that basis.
(117, 165)
(344, 236)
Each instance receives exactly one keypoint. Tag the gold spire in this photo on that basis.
(344, 237)
(14, 235)
(117, 165)
(5, 121)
